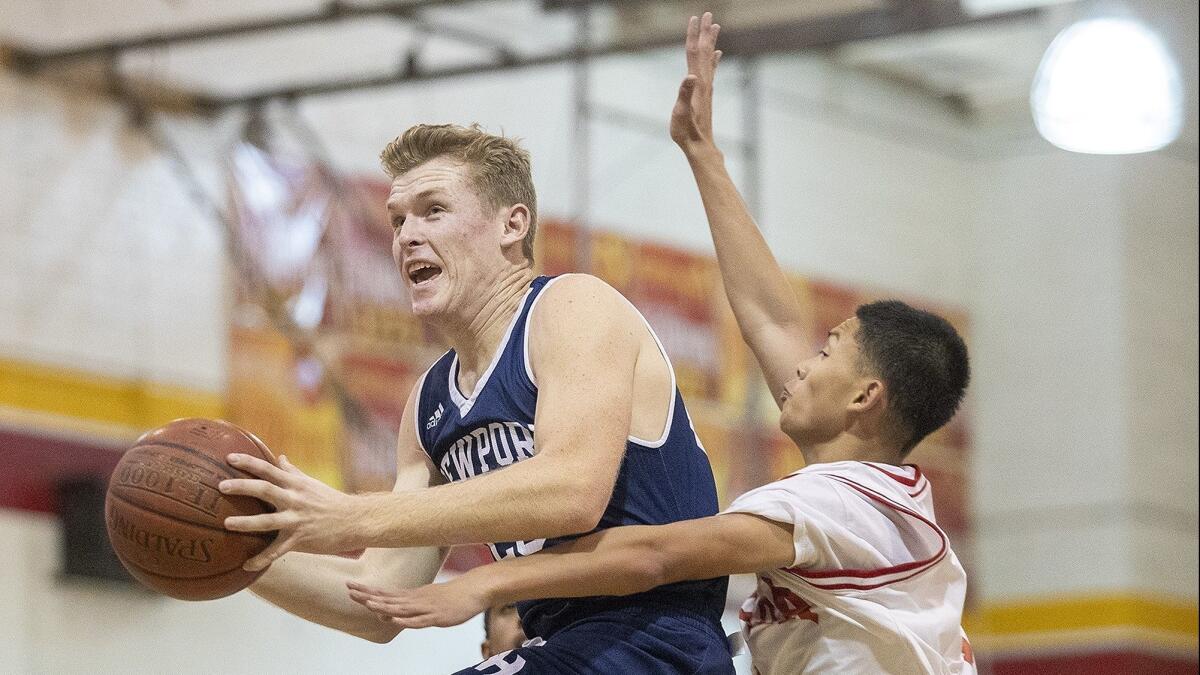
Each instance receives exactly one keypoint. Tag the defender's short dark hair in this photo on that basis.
(922, 361)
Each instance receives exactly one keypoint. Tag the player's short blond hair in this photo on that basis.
(500, 168)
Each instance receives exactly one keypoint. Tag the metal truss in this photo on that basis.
(893, 18)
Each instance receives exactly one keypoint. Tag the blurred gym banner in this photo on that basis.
(323, 350)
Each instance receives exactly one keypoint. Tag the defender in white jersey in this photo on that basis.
(854, 574)
(874, 586)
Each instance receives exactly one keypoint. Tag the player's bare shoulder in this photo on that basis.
(579, 313)
(577, 290)
(572, 299)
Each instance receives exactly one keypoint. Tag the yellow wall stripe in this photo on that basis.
(1075, 613)
(98, 398)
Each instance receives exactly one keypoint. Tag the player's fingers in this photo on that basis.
(269, 555)
(366, 598)
(692, 44)
(259, 467)
(287, 466)
(365, 589)
(413, 621)
(717, 58)
(263, 522)
(261, 489)
(708, 33)
(685, 90)
(388, 607)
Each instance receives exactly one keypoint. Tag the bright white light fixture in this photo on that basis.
(1107, 86)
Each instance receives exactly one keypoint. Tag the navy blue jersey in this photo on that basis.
(660, 481)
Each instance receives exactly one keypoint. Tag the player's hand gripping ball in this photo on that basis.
(166, 517)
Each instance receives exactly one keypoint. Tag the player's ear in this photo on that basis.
(871, 395)
(516, 224)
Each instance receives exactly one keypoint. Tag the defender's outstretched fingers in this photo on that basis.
(363, 589)
(692, 45)
(685, 93)
(708, 33)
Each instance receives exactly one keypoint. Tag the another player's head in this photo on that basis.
(501, 630)
(464, 211)
(889, 376)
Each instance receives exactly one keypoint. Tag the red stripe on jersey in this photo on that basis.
(918, 493)
(916, 566)
(899, 478)
(847, 586)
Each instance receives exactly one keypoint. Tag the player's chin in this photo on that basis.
(793, 426)
(427, 303)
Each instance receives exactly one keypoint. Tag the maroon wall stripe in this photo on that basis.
(31, 464)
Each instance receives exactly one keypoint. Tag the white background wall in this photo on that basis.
(1079, 274)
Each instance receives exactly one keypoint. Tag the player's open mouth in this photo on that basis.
(421, 272)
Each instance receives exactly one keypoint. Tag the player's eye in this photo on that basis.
(397, 223)
(436, 209)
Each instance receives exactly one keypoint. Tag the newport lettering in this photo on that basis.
(487, 447)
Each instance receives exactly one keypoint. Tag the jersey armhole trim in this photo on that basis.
(673, 389)
(666, 432)
(525, 337)
(417, 406)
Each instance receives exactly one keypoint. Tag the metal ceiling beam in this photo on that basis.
(34, 59)
(902, 18)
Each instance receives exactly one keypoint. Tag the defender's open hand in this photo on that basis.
(691, 118)
(447, 604)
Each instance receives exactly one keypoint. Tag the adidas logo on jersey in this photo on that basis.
(435, 417)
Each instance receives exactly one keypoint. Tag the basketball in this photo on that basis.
(165, 515)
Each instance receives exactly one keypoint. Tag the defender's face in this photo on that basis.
(814, 404)
(504, 632)
(445, 244)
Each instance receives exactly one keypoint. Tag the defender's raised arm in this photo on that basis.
(763, 301)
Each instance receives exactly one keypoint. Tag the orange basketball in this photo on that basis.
(166, 517)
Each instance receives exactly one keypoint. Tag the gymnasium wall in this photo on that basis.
(1079, 274)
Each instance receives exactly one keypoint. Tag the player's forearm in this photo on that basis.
(313, 587)
(616, 561)
(534, 499)
(757, 288)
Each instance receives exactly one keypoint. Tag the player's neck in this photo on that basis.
(848, 447)
(476, 337)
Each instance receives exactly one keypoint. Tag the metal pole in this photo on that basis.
(756, 473)
(751, 137)
(581, 140)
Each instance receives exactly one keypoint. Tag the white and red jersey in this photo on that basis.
(874, 587)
